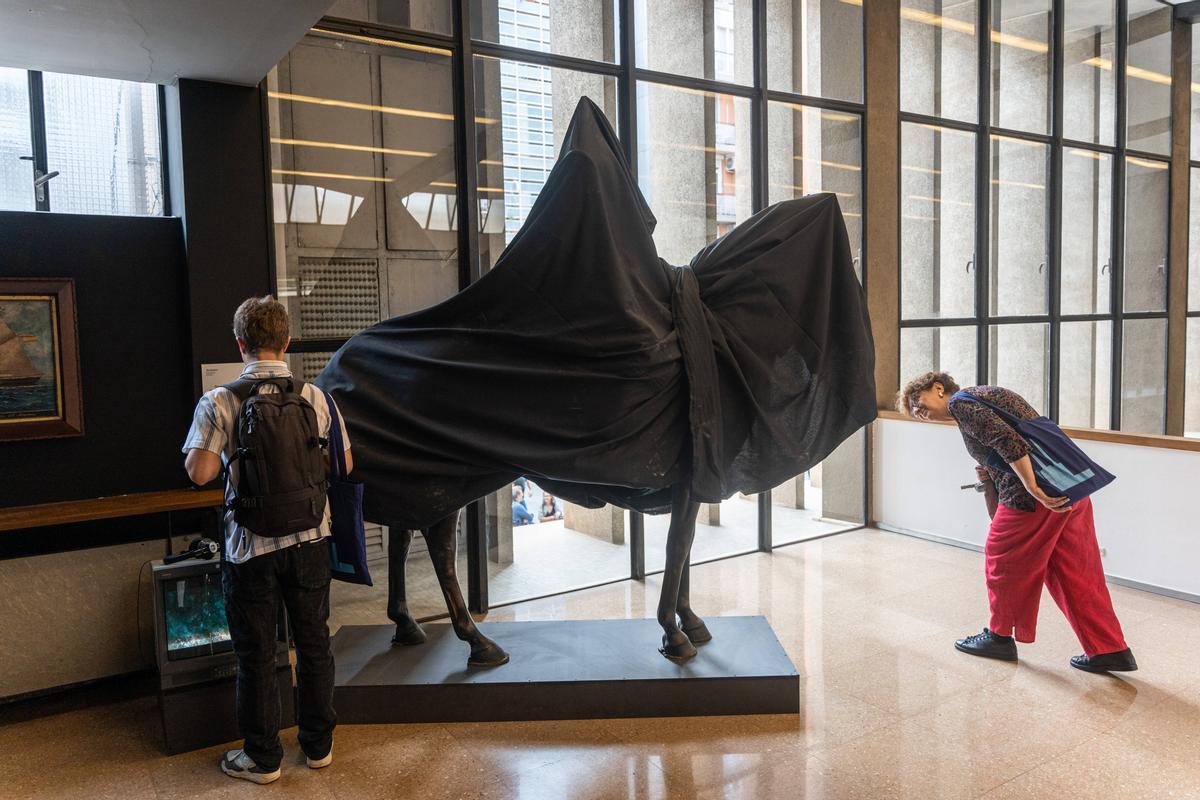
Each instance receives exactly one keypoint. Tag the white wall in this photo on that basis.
(1143, 519)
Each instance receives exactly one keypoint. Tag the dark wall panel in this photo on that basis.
(219, 185)
(131, 292)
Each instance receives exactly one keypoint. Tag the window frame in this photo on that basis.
(463, 48)
(1119, 152)
(40, 154)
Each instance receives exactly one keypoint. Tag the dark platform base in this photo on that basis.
(562, 670)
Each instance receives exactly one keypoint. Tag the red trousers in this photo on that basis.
(1028, 548)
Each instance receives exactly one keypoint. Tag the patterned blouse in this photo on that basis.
(983, 430)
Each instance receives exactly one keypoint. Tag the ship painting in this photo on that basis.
(15, 367)
(29, 375)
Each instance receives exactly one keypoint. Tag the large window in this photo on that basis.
(79, 145)
(1034, 187)
(720, 112)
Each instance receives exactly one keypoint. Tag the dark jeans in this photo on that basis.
(300, 574)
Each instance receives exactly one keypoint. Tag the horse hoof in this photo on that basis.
(698, 633)
(408, 634)
(488, 655)
(677, 648)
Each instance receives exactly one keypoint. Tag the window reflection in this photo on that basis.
(1149, 73)
(1086, 232)
(937, 223)
(1019, 359)
(534, 105)
(1147, 198)
(816, 48)
(1089, 90)
(1085, 375)
(581, 28)
(1144, 376)
(362, 155)
(702, 39)
(814, 150)
(939, 58)
(693, 165)
(1019, 209)
(1021, 35)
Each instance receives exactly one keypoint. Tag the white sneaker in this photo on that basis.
(318, 763)
(236, 764)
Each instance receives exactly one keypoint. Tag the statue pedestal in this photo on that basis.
(578, 669)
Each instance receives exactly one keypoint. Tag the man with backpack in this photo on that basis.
(267, 434)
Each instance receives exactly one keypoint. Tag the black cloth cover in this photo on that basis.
(587, 363)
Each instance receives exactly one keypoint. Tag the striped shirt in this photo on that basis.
(213, 427)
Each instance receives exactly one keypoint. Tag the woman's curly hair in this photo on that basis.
(908, 395)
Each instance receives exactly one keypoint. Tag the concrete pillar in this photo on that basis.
(790, 493)
(498, 509)
(842, 481)
(606, 523)
(882, 190)
(1181, 147)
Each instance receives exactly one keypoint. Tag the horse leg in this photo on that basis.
(442, 547)
(692, 626)
(408, 632)
(676, 645)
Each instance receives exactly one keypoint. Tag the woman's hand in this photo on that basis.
(1024, 469)
(982, 474)
(1056, 504)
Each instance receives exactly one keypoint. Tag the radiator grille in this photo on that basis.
(338, 297)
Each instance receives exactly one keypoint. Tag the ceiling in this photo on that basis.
(155, 41)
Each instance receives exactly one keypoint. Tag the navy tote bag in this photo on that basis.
(348, 550)
(1060, 467)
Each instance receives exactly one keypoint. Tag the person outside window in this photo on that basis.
(258, 571)
(551, 508)
(1033, 539)
(520, 514)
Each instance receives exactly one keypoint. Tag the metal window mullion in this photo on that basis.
(810, 101)
(938, 122)
(1056, 201)
(503, 52)
(695, 84)
(983, 192)
(385, 31)
(165, 172)
(37, 138)
(469, 267)
(1117, 239)
(758, 191)
(627, 128)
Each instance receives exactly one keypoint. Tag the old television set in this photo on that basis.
(196, 663)
(193, 611)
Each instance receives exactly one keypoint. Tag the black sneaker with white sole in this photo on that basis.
(319, 763)
(236, 764)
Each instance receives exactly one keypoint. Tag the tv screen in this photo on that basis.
(194, 614)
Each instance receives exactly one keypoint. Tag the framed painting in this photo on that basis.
(39, 360)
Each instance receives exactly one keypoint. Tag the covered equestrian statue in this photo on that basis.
(587, 363)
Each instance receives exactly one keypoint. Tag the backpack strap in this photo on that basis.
(243, 389)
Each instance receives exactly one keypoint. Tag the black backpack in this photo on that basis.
(281, 473)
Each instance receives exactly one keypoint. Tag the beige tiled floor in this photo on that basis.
(889, 709)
